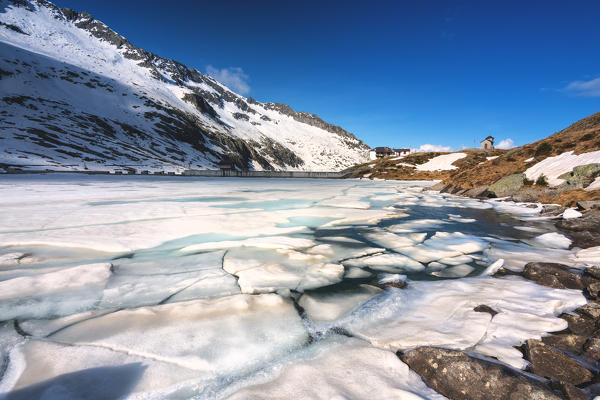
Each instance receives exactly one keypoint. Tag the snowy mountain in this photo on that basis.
(74, 94)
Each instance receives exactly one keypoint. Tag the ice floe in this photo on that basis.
(554, 240)
(260, 270)
(571, 213)
(227, 335)
(344, 369)
(331, 306)
(57, 293)
(444, 311)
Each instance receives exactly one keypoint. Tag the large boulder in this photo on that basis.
(581, 176)
(551, 363)
(584, 231)
(456, 375)
(479, 192)
(508, 185)
(554, 275)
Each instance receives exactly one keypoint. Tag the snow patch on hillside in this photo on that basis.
(553, 167)
(441, 163)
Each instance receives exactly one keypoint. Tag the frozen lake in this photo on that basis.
(178, 287)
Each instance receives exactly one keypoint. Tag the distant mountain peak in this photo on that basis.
(77, 93)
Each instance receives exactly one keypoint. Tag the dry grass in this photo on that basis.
(569, 198)
(475, 170)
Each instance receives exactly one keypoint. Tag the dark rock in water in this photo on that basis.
(588, 205)
(580, 325)
(396, 284)
(459, 376)
(554, 275)
(437, 186)
(479, 192)
(566, 341)
(552, 209)
(447, 189)
(583, 231)
(592, 349)
(571, 392)
(486, 309)
(551, 363)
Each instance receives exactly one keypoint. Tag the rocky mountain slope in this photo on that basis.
(74, 94)
(563, 168)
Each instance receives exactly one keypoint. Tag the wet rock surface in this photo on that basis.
(554, 275)
(486, 309)
(567, 342)
(548, 362)
(456, 375)
(570, 391)
(584, 231)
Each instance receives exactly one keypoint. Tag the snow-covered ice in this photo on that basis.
(210, 288)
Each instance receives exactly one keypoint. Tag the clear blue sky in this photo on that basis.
(396, 73)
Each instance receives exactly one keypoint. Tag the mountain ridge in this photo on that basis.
(175, 116)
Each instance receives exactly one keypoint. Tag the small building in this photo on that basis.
(487, 144)
(401, 152)
(380, 152)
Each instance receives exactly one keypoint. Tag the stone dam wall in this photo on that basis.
(264, 174)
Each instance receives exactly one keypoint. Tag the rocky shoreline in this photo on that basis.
(563, 365)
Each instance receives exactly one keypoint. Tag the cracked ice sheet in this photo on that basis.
(444, 245)
(339, 368)
(214, 337)
(139, 290)
(398, 318)
(58, 293)
(46, 370)
(139, 234)
(261, 271)
(388, 262)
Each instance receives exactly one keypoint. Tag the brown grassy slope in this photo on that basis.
(581, 137)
